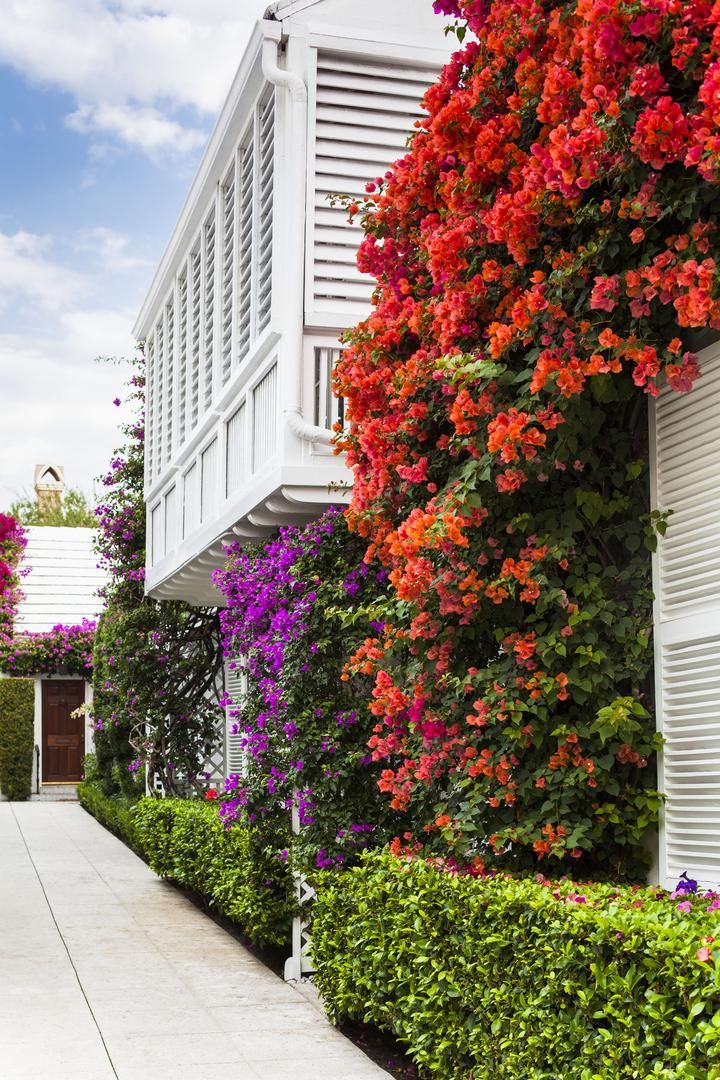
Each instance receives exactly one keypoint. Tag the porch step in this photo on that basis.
(56, 793)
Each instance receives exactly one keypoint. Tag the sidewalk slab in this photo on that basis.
(108, 973)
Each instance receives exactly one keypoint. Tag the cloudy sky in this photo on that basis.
(105, 106)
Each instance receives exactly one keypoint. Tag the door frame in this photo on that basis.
(38, 728)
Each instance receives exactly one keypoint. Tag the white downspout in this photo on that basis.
(295, 249)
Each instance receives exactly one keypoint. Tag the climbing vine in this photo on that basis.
(543, 254)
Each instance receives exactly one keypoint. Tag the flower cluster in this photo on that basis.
(291, 610)
(543, 255)
(12, 545)
(63, 650)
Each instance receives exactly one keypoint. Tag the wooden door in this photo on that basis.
(63, 735)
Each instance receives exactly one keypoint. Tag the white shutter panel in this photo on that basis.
(196, 318)
(235, 688)
(182, 355)
(170, 381)
(246, 170)
(687, 624)
(209, 306)
(150, 406)
(365, 110)
(228, 262)
(266, 164)
(159, 396)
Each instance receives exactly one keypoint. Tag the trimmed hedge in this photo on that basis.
(185, 841)
(520, 978)
(17, 737)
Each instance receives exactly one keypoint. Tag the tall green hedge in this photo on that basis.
(520, 979)
(17, 739)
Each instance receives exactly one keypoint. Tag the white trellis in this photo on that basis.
(299, 964)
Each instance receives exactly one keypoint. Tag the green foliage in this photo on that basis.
(230, 868)
(73, 511)
(115, 813)
(521, 978)
(17, 711)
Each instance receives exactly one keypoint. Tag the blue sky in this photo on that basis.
(104, 111)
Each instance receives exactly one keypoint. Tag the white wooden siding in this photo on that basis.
(191, 501)
(209, 482)
(364, 111)
(235, 451)
(687, 624)
(265, 419)
(170, 535)
(62, 580)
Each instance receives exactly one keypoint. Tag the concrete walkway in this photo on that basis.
(107, 973)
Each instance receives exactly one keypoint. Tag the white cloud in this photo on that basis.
(129, 65)
(29, 273)
(138, 126)
(111, 250)
(58, 403)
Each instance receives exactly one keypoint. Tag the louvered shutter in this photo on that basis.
(266, 163)
(228, 260)
(196, 315)
(150, 412)
(182, 356)
(170, 377)
(687, 624)
(159, 395)
(246, 170)
(209, 307)
(365, 110)
(235, 688)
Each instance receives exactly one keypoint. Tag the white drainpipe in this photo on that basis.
(295, 240)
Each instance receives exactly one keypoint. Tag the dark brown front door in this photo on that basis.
(63, 735)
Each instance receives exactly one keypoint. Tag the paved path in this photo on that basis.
(107, 973)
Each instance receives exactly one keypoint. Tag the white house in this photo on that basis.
(242, 319)
(60, 583)
(241, 328)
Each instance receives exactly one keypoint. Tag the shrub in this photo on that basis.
(185, 841)
(17, 711)
(521, 978)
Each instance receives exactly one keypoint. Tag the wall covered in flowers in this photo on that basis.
(544, 254)
(297, 606)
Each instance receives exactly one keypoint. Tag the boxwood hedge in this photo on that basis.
(520, 978)
(17, 711)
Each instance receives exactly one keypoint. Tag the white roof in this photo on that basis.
(62, 579)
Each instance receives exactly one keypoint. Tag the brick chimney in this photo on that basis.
(49, 487)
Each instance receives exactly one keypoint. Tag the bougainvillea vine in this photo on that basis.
(544, 257)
